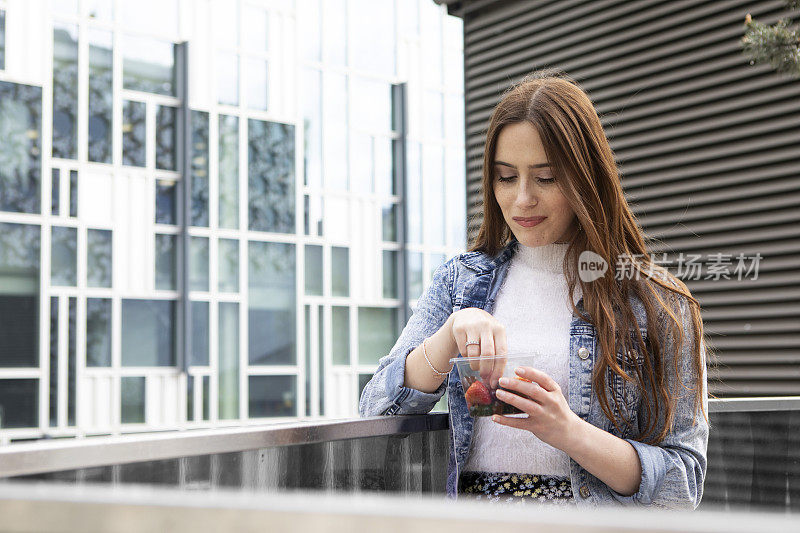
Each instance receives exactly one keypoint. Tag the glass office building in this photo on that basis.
(317, 138)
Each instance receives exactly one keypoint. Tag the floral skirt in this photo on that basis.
(505, 487)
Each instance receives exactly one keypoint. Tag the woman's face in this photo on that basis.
(526, 189)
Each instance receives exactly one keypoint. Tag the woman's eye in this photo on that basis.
(505, 178)
(546, 180)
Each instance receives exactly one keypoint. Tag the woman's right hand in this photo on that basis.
(473, 324)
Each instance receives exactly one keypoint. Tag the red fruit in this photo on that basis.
(478, 394)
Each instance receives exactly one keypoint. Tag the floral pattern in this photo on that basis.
(518, 488)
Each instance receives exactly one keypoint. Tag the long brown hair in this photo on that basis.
(586, 172)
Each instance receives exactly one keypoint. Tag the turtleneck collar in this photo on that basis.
(549, 257)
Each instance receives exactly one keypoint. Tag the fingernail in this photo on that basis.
(503, 381)
(519, 370)
(495, 418)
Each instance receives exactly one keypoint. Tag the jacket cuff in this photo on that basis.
(652, 461)
(406, 399)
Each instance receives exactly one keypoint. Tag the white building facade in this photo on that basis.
(324, 135)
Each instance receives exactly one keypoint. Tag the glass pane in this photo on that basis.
(99, 258)
(271, 176)
(361, 163)
(314, 270)
(19, 403)
(334, 31)
(227, 78)
(206, 397)
(226, 24)
(334, 126)
(455, 185)
(53, 361)
(65, 91)
(228, 265)
(166, 262)
(389, 221)
(190, 397)
(384, 166)
(255, 23)
(272, 295)
(454, 117)
(55, 193)
(228, 172)
(340, 271)
(431, 42)
(372, 104)
(313, 213)
(100, 94)
(198, 264)
(321, 358)
(434, 205)
(98, 332)
(309, 11)
(64, 256)
(166, 138)
(228, 360)
(199, 168)
(307, 327)
(133, 133)
(166, 202)
(363, 379)
(148, 333)
(272, 396)
(340, 333)
(257, 84)
(390, 260)
(2, 39)
(377, 333)
(434, 262)
(414, 275)
(148, 65)
(72, 356)
(19, 295)
(73, 193)
(200, 326)
(311, 100)
(20, 154)
(371, 30)
(132, 390)
(414, 193)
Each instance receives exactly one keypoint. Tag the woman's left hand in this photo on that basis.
(549, 415)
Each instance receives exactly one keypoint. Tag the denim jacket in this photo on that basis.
(672, 472)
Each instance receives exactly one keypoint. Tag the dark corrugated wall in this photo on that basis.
(708, 146)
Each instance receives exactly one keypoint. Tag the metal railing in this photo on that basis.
(753, 459)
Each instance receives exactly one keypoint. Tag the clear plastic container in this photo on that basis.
(480, 389)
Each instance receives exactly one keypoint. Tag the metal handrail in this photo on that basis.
(51, 456)
(72, 454)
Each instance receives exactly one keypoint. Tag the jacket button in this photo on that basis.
(583, 352)
(584, 492)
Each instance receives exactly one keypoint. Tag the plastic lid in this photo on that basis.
(507, 356)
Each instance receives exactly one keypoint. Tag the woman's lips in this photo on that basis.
(528, 222)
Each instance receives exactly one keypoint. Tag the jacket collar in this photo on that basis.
(482, 263)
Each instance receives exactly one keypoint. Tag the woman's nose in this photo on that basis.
(526, 195)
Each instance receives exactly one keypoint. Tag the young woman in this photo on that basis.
(616, 411)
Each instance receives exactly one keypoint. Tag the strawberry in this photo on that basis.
(478, 394)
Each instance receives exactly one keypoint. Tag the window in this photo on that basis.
(19, 294)
(148, 65)
(20, 153)
(148, 332)
(271, 176)
(272, 295)
(65, 91)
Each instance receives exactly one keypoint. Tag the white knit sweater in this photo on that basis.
(533, 305)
